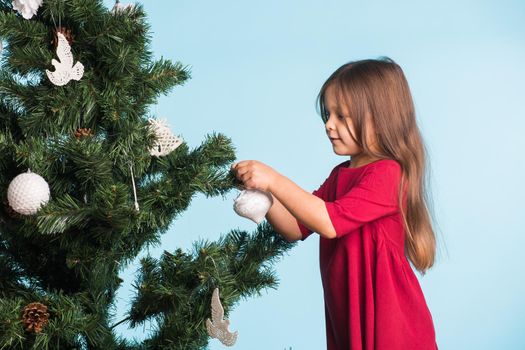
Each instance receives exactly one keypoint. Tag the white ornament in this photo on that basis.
(217, 327)
(64, 70)
(27, 193)
(165, 141)
(119, 8)
(27, 8)
(253, 204)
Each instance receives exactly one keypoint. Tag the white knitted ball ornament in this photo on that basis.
(253, 204)
(27, 193)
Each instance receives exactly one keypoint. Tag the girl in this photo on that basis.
(369, 212)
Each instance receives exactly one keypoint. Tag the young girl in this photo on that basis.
(366, 223)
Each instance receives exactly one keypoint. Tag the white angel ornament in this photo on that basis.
(64, 70)
(217, 327)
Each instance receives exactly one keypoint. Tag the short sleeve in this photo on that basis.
(373, 197)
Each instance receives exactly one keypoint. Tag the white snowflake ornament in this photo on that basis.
(253, 204)
(165, 141)
(218, 327)
(27, 192)
(64, 70)
(27, 8)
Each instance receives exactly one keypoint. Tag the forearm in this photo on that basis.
(283, 222)
(309, 209)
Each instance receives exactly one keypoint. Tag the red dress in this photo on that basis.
(373, 300)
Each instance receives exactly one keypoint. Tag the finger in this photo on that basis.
(241, 170)
(243, 163)
(244, 177)
(249, 181)
(235, 169)
(244, 169)
(248, 184)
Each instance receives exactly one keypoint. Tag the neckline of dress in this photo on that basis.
(345, 164)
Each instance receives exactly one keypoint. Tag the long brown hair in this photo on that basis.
(376, 93)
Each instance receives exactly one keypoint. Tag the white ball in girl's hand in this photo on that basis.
(253, 204)
(27, 193)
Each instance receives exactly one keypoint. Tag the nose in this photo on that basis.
(329, 125)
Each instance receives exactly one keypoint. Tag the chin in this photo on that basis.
(337, 150)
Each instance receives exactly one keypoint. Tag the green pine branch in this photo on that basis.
(176, 290)
(69, 255)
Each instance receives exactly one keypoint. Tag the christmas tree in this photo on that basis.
(88, 180)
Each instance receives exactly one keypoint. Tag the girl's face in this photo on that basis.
(336, 127)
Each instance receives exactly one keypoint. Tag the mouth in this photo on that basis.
(333, 139)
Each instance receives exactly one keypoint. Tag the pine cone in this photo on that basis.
(34, 317)
(67, 34)
(83, 132)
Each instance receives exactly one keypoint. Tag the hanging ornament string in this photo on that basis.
(81, 121)
(134, 187)
(59, 20)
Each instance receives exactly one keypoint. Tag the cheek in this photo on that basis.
(347, 137)
(349, 143)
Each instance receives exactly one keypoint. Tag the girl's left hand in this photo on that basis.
(255, 174)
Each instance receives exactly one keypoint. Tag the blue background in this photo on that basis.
(256, 70)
